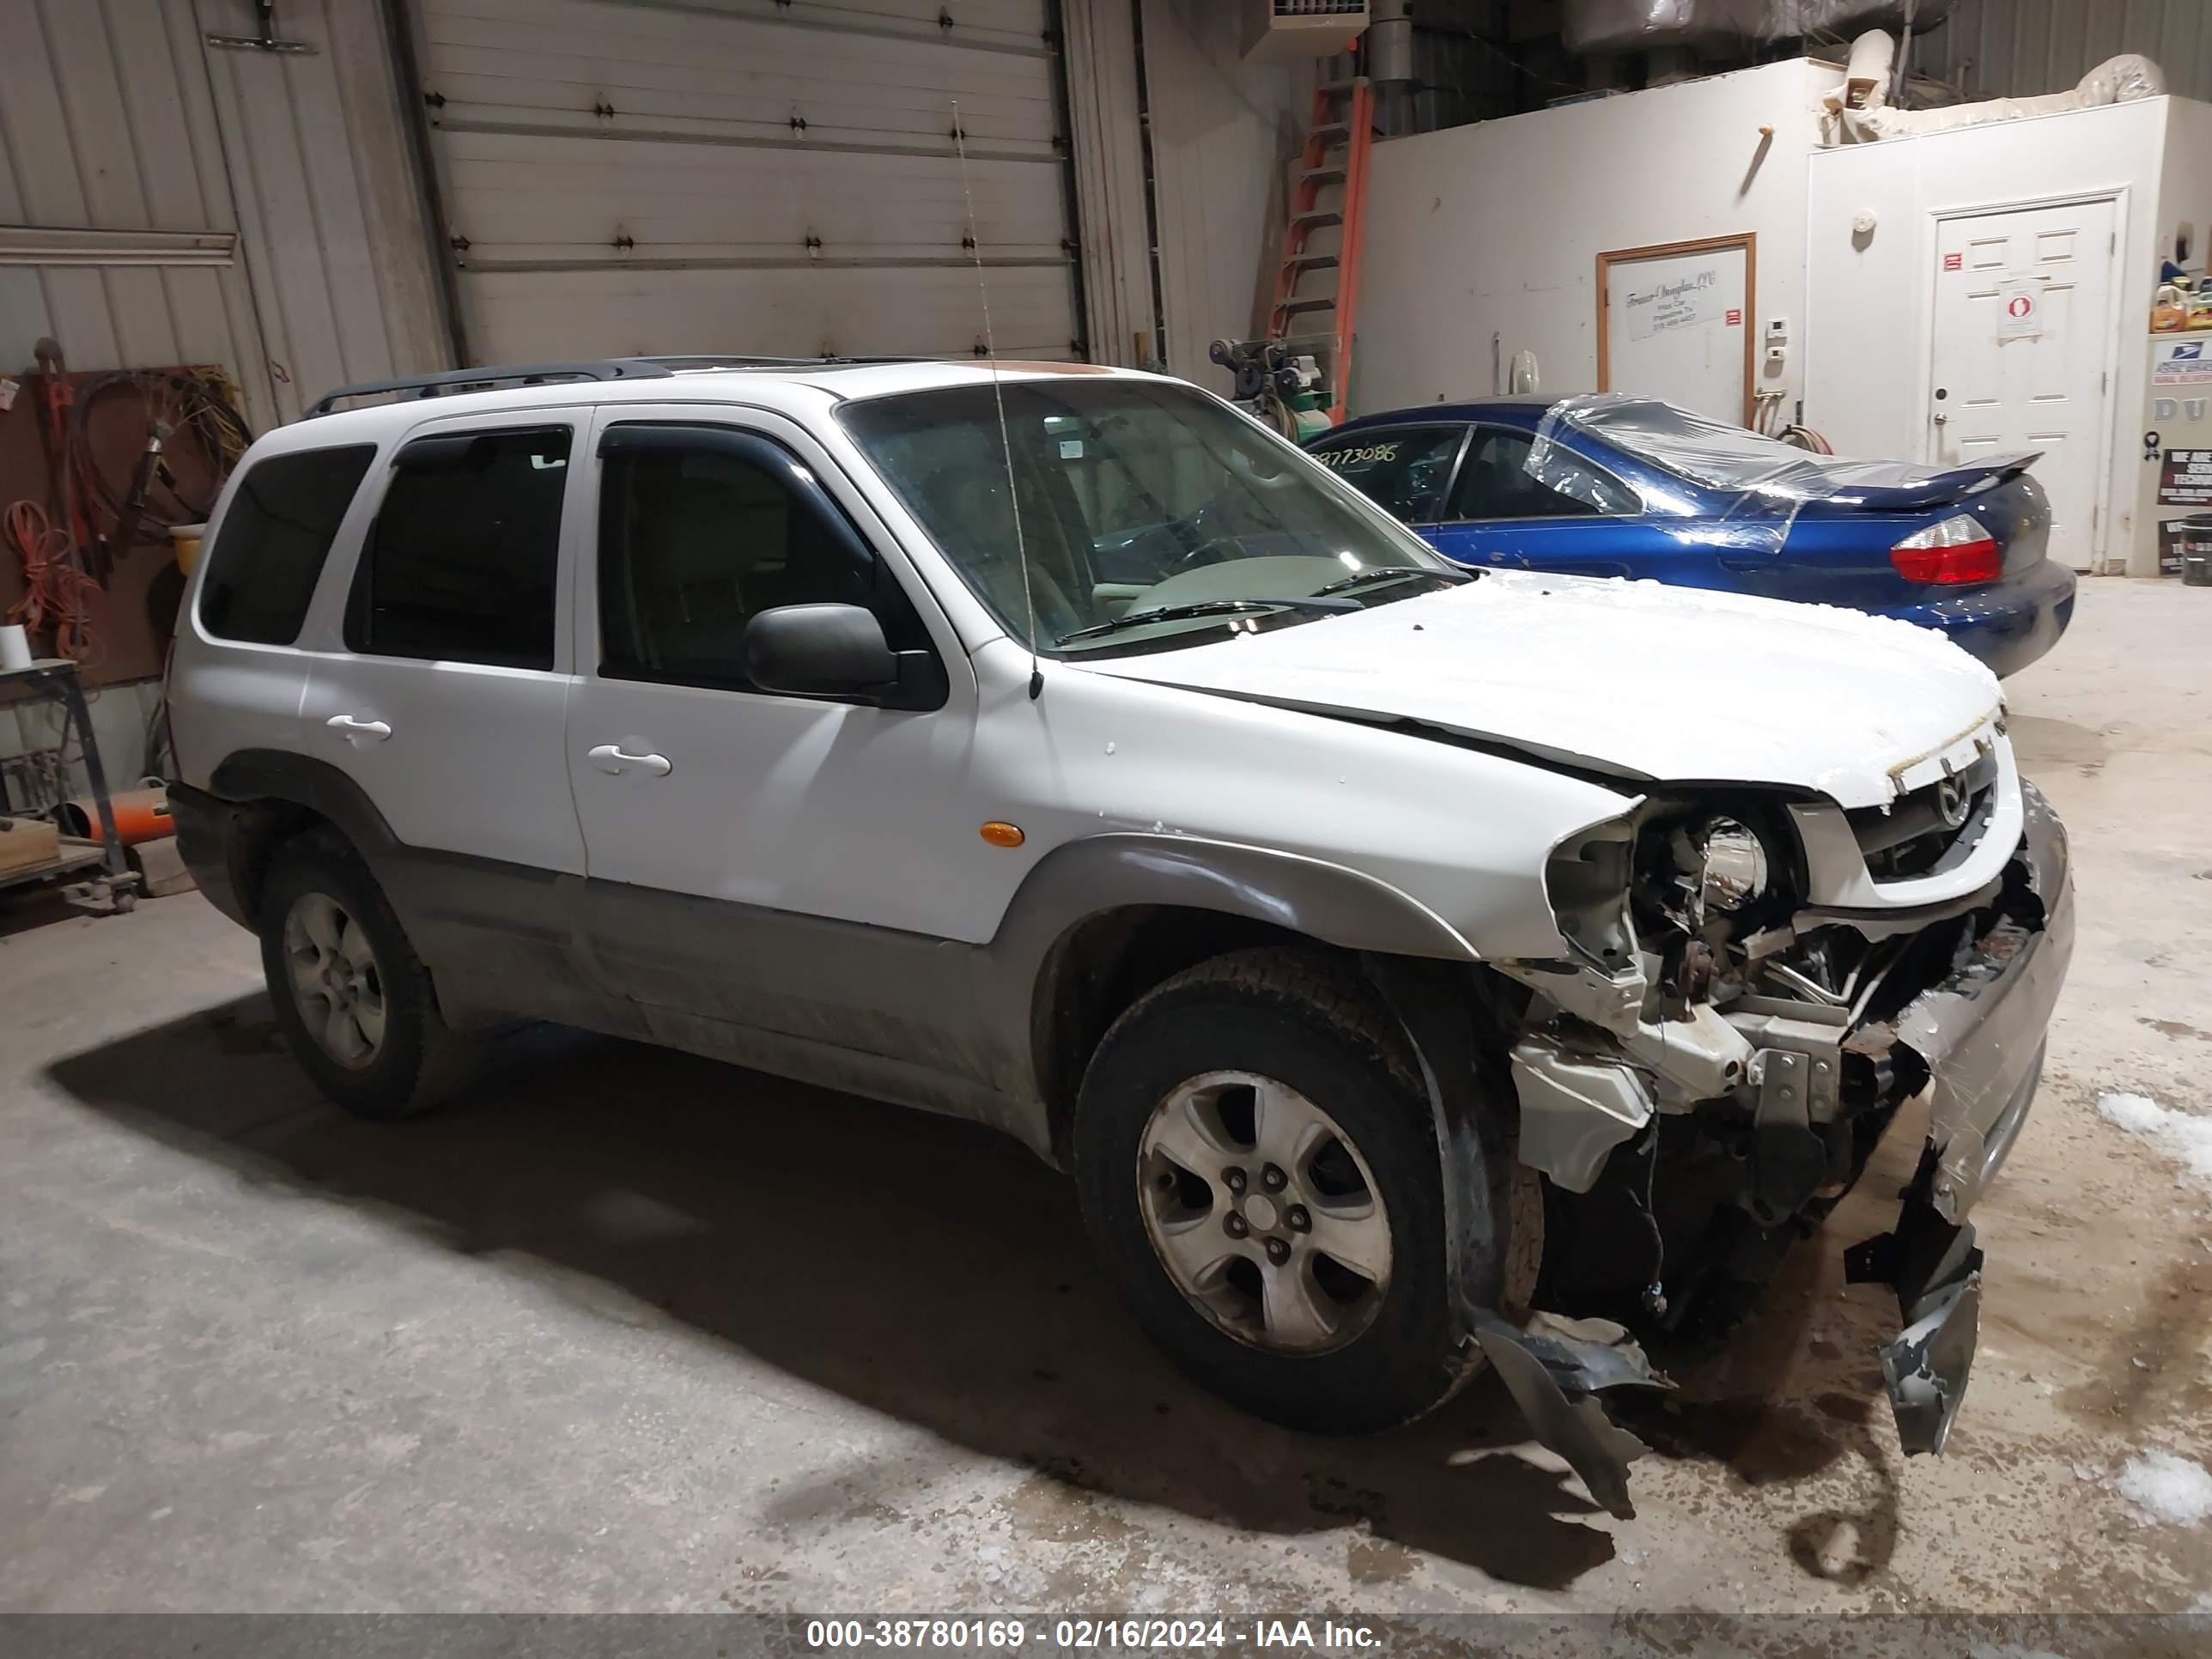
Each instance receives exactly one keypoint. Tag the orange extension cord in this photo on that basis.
(56, 595)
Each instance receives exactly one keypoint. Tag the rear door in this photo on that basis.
(442, 685)
(438, 681)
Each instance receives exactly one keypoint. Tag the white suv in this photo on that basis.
(1411, 967)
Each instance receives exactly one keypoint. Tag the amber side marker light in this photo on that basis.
(1001, 834)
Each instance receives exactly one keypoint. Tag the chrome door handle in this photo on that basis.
(357, 732)
(1943, 419)
(614, 760)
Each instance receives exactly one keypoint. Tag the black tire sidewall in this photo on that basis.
(386, 1087)
(1408, 1360)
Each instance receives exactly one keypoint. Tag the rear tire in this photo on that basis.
(354, 1001)
(1193, 1072)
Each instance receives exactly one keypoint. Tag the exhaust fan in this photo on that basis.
(1302, 28)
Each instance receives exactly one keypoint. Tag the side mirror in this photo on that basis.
(837, 651)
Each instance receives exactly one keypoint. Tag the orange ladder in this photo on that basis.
(1337, 146)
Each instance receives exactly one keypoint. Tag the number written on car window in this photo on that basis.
(1340, 459)
(1405, 471)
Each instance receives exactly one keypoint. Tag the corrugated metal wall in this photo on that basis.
(1111, 209)
(1224, 129)
(116, 115)
(336, 237)
(1461, 71)
(107, 122)
(2017, 48)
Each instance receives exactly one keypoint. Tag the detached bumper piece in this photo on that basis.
(1981, 1034)
(1936, 1271)
(1554, 1368)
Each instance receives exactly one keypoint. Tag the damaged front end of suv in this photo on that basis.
(1757, 983)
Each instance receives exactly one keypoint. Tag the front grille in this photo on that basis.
(1929, 830)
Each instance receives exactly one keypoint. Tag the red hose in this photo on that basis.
(56, 602)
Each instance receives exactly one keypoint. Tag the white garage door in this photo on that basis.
(639, 176)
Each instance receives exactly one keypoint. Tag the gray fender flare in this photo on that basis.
(1080, 880)
(272, 775)
(441, 898)
(1327, 901)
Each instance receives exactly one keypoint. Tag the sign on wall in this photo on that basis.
(1670, 303)
(2185, 479)
(1671, 324)
(2019, 308)
(2181, 363)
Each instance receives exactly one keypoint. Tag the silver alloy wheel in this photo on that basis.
(1263, 1212)
(336, 983)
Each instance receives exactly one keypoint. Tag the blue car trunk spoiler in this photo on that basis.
(1888, 487)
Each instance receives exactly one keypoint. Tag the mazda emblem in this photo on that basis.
(1951, 803)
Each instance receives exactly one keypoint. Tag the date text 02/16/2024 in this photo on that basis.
(1012, 1634)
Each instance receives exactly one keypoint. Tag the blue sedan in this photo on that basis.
(1614, 485)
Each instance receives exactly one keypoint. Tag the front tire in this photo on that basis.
(1258, 1164)
(354, 1002)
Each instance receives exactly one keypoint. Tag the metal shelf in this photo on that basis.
(75, 855)
(56, 680)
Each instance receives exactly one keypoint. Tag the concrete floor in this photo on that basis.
(628, 1330)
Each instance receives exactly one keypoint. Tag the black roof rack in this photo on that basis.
(709, 360)
(470, 379)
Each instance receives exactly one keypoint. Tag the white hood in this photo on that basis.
(1665, 683)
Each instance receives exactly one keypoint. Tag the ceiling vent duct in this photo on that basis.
(1390, 42)
(1617, 25)
(1302, 28)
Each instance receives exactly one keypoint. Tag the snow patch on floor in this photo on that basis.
(2164, 1487)
(2180, 1135)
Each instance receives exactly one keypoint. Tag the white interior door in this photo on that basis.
(1676, 324)
(2022, 323)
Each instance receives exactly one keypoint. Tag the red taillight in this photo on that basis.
(1970, 561)
(1957, 551)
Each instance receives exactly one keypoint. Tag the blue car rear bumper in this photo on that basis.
(2008, 625)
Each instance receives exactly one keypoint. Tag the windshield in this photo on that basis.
(1136, 497)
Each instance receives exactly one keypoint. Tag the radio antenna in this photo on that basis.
(999, 396)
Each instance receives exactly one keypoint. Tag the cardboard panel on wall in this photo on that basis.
(131, 616)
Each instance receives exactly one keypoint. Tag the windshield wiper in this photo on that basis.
(1205, 607)
(1391, 572)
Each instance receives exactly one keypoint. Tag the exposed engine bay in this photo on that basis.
(1708, 1073)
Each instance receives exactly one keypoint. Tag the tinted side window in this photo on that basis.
(1495, 482)
(275, 534)
(700, 532)
(462, 563)
(1405, 469)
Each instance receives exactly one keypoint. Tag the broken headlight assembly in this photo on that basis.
(1672, 873)
(1706, 879)
(1714, 866)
